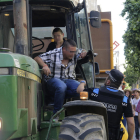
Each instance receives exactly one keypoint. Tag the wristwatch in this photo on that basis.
(82, 81)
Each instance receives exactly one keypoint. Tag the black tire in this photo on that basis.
(86, 126)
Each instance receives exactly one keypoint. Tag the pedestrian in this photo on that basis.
(115, 102)
(138, 110)
(128, 93)
(135, 103)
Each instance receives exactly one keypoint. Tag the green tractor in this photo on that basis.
(24, 115)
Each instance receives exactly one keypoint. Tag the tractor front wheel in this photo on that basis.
(86, 126)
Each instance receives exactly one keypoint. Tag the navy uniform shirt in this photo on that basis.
(115, 102)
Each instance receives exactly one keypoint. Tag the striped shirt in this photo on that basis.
(54, 61)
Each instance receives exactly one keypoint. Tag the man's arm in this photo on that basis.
(39, 61)
(45, 68)
(128, 113)
(133, 109)
(131, 127)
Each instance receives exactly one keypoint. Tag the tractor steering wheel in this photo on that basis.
(42, 44)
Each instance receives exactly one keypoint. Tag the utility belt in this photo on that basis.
(115, 134)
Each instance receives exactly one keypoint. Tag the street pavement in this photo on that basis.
(134, 137)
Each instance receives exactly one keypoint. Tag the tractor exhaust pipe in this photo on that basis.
(20, 25)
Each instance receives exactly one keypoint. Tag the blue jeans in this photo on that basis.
(61, 89)
(136, 127)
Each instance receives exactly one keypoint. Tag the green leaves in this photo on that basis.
(131, 38)
(131, 75)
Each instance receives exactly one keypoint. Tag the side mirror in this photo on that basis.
(96, 68)
(95, 19)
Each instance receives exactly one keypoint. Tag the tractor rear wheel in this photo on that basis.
(86, 126)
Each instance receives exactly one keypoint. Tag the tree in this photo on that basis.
(131, 76)
(131, 38)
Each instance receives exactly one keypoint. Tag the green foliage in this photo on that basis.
(131, 75)
(131, 39)
(127, 86)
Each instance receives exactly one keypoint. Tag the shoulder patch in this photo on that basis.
(124, 103)
(96, 90)
(125, 99)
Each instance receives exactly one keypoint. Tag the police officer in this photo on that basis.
(115, 102)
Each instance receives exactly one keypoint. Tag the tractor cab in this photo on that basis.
(25, 32)
(39, 20)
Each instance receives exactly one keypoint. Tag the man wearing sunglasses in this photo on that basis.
(59, 69)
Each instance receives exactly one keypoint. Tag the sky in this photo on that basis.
(119, 24)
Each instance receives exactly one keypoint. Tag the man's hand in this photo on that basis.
(83, 54)
(46, 70)
(81, 86)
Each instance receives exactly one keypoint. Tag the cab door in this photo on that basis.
(84, 41)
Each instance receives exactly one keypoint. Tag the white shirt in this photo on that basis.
(131, 101)
(135, 103)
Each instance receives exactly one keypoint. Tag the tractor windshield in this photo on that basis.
(6, 29)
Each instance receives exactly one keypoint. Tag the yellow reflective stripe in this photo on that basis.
(20, 72)
(29, 75)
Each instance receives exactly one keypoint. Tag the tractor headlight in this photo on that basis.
(84, 95)
(4, 71)
(0, 124)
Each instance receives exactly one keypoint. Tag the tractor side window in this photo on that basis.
(7, 30)
(77, 27)
(81, 30)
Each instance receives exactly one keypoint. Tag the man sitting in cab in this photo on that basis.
(59, 40)
(59, 69)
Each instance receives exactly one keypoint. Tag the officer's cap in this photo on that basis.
(115, 75)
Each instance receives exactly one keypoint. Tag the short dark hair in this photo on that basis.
(69, 42)
(113, 84)
(57, 30)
